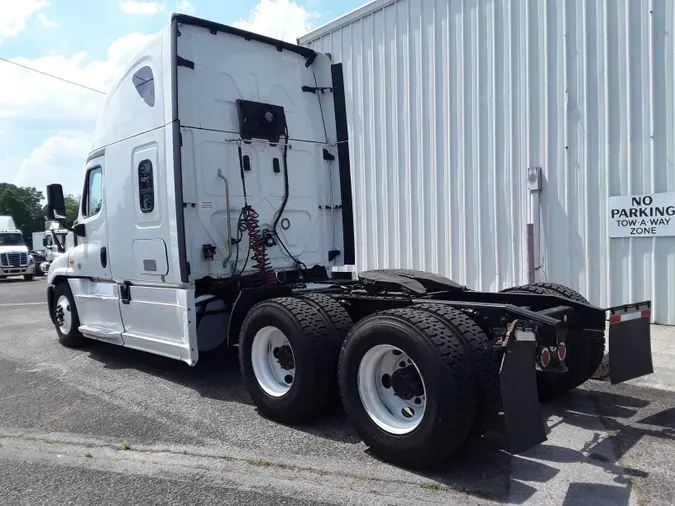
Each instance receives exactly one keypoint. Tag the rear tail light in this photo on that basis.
(561, 351)
(545, 358)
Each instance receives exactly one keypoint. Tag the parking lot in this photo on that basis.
(105, 425)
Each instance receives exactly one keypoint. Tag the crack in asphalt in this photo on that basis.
(251, 462)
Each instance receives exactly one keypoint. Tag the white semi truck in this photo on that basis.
(217, 200)
(15, 259)
(52, 243)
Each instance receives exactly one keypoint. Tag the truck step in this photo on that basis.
(101, 334)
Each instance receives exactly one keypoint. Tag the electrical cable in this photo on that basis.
(241, 173)
(274, 232)
(52, 76)
(286, 189)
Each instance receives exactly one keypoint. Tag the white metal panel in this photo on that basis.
(228, 68)
(451, 101)
(159, 320)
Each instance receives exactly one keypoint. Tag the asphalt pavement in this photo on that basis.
(107, 425)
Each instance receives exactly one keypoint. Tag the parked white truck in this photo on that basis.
(51, 243)
(217, 198)
(15, 259)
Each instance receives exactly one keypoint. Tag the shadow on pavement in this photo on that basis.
(578, 493)
(216, 376)
(665, 419)
(480, 468)
(611, 410)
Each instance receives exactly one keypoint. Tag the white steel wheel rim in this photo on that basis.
(390, 412)
(271, 355)
(64, 318)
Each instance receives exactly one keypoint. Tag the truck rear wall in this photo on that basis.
(228, 68)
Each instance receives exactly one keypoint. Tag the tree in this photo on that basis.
(72, 207)
(72, 203)
(22, 204)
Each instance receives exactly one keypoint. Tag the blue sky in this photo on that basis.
(45, 125)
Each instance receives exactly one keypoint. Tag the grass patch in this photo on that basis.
(432, 485)
(88, 455)
(267, 463)
(260, 463)
(125, 446)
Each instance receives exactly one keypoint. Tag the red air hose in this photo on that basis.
(260, 257)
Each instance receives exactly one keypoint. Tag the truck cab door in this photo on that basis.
(96, 295)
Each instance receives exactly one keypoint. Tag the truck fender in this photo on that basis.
(56, 276)
(247, 298)
(50, 302)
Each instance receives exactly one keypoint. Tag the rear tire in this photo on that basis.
(578, 361)
(335, 316)
(449, 392)
(597, 339)
(66, 319)
(339, 323)
(288, 395)
(484, 363)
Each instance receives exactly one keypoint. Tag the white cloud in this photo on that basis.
(45, 22)
(32, 104)
(281, 19)
(133, 7)
(59, 159)
(15, 15)
(31, 96)
(186, 6)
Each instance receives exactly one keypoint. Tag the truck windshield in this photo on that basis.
(11, 239)
(60, 239)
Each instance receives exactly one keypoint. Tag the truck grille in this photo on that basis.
(13, 259)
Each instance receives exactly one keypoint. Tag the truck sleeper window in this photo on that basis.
(94, 197)
(146, 189)
(145, 86)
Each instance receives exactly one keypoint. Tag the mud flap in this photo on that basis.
(630, 347)
(523, 414)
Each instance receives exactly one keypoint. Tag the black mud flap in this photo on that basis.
(630, 347)
(523, 414)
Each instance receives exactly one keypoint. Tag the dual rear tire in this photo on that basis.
(288, 354)
(408, 386)
(585, 349)
(415, 382)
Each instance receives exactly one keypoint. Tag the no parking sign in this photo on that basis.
(642, 215)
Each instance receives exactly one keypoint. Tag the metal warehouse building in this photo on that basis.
(477, 124)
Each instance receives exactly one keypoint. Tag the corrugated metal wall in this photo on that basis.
(450, 102)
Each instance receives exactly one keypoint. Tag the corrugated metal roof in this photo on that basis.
(450, 102)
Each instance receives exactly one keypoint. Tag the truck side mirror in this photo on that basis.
(56, 205)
